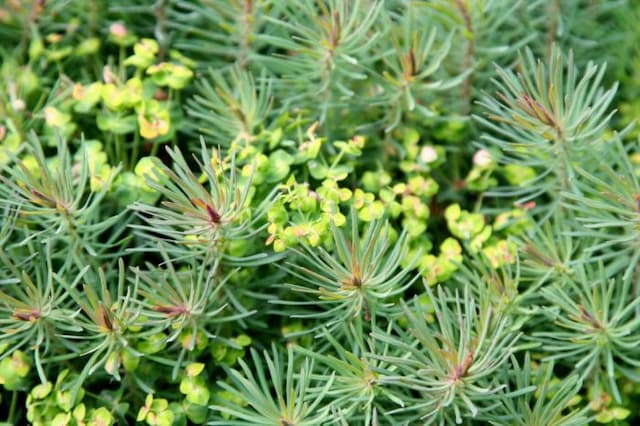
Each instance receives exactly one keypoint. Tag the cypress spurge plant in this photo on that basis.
(359, 280)
(331, 42)
(411, 71)
(448, 364)
(107, 323)
(231, 106)
(185, 183)
(54, 201)
(37, 317)
(548, 252)
(230, 31)
(185, 307)
(547, 117)
(201, 210)
(477, 31)
(596, 327)
(611, 196)
(357, 391)
(276, 395)
(552, 403)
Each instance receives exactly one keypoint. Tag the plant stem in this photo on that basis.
(554, 12)
(12, 409)
(119, 156)
(160, 13)
(36, 10)
(122, 70)
(564, 163)
(245, 22)
(93, 17)
(136, 149)
(155, 145)
(468, 56)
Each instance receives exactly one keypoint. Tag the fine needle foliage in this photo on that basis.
(230, 106)
(319, 212)
(39, 314)
(357, 391)
(277, 395)
(548, 406)
(52, 194)
(548, 118)
(450, 364)
(596, 327)
(359, 280)
(187, 305)
(613, 196)
(201, 212)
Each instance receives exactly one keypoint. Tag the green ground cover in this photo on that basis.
(317, 212)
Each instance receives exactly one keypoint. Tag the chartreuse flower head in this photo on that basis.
(86, 97)
(13, 369)
(154, 119)
(463, 224)
(119, 96)
(9, 145)
(156, 412)
(169, 74)
(55, 118)
(144, 53)
(101, 172)
(147, 168)
(440, 268)
(196, 392)
(51, 404)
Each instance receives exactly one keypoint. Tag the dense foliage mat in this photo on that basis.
(316, 212)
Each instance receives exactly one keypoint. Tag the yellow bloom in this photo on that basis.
(153, 119)
(55, 118)
(169, 74)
